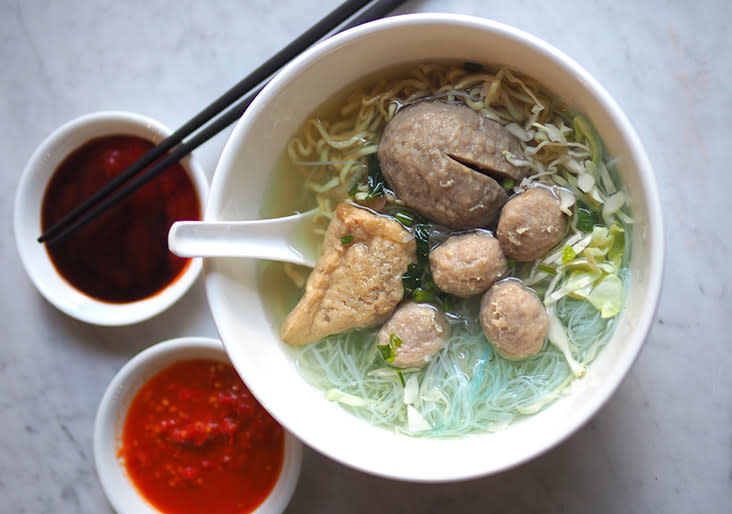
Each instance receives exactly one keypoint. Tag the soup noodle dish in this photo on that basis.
(466, 385)
(480, 229)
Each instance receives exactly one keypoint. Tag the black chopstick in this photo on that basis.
(106, 197)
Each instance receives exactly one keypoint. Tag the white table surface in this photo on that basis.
(663, 443)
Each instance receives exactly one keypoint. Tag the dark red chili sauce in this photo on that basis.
(196, 441)
(122, 256)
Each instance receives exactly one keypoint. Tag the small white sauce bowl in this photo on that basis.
(27, 219)
(109, 422)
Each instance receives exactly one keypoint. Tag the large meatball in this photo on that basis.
(443, 159)
(530, 224)
(422, 331)
(513, 319)
(468, 264)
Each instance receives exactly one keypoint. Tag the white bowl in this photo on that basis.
(27, 219)
(238, 186)
(109, 422)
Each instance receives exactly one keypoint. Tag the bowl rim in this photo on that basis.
(29, 195)
(604, 101)
(119, 489)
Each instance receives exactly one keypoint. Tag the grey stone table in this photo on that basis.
(663, 443)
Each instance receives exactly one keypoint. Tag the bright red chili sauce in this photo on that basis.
(121, 256)
(196, 441)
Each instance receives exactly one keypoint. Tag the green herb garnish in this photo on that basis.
(422, 232)
(354, 188)
(388, 350)
(401, 378)
(417, 280)
(374, 178)
(508, 184)
(346, 240)
(404, 218)
(412, 278)
(547, 269)
(586, 219)
(423, 295)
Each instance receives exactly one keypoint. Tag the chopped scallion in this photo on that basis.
(395, 341)
(388, 350)
(568, 254)
(423, 295)
(354, 188)
(346, 240)
(547, 269)
(401, 378)
(404, 218)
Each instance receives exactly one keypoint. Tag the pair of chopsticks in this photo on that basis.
(113, 192)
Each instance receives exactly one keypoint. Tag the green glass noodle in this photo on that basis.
(467, 387)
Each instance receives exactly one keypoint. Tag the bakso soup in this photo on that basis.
(474, 248)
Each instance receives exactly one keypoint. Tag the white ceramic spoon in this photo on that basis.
(278, 239)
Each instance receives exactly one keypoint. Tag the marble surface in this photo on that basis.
(663, 443)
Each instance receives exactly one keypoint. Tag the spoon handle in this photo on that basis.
(278, 239)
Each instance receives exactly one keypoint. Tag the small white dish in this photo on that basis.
(112, 410)
(27, 219)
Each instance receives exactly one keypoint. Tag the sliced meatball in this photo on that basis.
(422, 331)
(355, 284)
(468, 264)
(530, 224)
(513, 319)
(443, 160)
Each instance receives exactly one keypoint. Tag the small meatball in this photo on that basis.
(430, 154)
(513, 319)
(530, 224)
(468, 264)
(423, 331)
